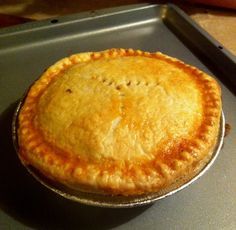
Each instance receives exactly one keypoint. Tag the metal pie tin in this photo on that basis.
(116, 201)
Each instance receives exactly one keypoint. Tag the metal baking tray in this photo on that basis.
(26, 50)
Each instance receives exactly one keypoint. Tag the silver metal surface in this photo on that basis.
(101, 200)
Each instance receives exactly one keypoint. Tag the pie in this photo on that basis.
(119, 121)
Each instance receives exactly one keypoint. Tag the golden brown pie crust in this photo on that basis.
(119, 121)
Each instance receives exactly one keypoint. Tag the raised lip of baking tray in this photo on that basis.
(195, 37)
(218, 58)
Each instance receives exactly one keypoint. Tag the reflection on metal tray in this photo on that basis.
(26, 50)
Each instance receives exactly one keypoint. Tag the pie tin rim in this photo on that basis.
(114, 201)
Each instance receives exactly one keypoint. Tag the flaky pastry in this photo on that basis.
(120, 122)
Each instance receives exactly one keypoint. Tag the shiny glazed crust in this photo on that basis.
(119, 121)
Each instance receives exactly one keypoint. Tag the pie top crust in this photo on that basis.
(119, 121)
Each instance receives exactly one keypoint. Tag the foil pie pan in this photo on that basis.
(116, 201)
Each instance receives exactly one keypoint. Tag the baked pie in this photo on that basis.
(119, 122)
